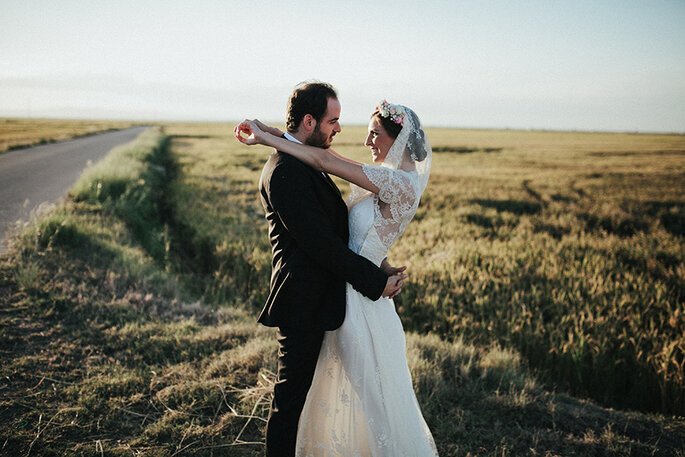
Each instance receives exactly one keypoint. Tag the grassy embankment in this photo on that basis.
(21, 133)
(128, 313)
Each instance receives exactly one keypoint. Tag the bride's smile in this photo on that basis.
(378, 140)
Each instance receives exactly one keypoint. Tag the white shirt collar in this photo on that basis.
(288, 136)
(292, 138)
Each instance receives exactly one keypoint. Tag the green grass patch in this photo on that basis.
(130, 181)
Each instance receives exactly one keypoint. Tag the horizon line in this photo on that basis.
(352, 124)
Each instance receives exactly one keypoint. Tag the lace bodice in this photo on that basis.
(377, 221)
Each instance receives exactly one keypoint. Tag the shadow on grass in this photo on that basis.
(106, 368)
(558, 197)
(623, 225)
(481, 221)
(192, 137)
(671, 214)
(489, 223)
(518, 207)
(555, 231)
(252, 164)
(221, 275)
(476, 398)
(464, 149)
(568, 426)
(189, 252)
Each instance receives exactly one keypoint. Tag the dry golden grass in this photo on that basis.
(127, 316)
(566, 246)
(19, 133)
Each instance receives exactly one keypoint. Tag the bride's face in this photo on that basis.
(378, 140)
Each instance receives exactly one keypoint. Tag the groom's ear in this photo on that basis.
(308, 123)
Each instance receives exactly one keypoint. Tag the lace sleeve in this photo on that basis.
(396, 188)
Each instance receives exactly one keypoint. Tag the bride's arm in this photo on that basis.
(272, 130)
(326, 160)
(245, 127)
(318, 158)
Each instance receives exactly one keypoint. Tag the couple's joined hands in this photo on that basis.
(396, 278)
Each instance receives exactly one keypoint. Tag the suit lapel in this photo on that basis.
(325, 176)
(330, 182)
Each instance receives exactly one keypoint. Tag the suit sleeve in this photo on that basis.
(294, 200)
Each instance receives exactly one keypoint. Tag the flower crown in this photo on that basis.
(394, 112)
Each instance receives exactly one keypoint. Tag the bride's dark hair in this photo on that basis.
(389, 125)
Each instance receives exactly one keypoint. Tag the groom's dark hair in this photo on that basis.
(309, 97)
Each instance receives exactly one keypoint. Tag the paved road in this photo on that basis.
(43, 174)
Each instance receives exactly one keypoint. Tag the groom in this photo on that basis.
(311, 262)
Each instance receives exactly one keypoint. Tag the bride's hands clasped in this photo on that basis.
(254, 135)
(256, 132)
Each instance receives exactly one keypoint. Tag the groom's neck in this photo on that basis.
(301, 136)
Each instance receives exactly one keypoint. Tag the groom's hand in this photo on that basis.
(390, 270)
(394, 285)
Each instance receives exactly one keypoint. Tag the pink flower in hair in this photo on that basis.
(394, 112)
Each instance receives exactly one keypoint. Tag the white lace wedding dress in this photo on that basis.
(361, 402)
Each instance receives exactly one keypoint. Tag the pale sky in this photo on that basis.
(528, 64)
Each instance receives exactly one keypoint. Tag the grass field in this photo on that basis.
(20, 133)
(567, 247)
(544, 309)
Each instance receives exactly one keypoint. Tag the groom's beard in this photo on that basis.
(319, 139)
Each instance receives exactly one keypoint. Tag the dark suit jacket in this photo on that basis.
(311, 262)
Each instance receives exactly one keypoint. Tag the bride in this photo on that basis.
(361, 402)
